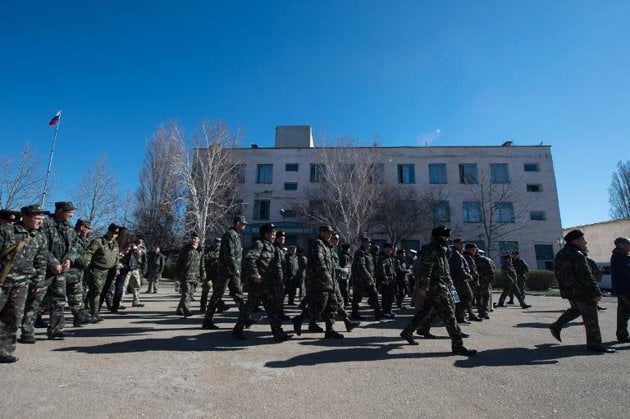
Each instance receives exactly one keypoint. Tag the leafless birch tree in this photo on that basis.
(619, 192)
(21, 180)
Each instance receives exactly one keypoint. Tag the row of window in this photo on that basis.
(530, 187)
(468, 173)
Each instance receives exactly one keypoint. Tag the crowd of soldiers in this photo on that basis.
(48, 265)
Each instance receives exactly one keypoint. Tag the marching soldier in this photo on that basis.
(190, 268)
(74, 277)
(363, 281)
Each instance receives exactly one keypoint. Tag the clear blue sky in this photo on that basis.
(480, 72)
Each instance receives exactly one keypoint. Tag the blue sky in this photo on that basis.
(453, 72)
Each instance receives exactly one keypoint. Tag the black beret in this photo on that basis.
(572, 235)
(113, 227)
(31, 210)
(441, 231)
(266, 228)
(64, 206)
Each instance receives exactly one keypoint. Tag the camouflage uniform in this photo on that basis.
(386, 279)
(460, 273)
(343, 278)
(29, 267)
(190, 268)
(263, 261)
(61, 239)
(228, 274)
(522, 269)
(155, 267)
(322, 298)
(74, 282)
(508, 273)
(434, 276)
(363, 282)
(473, 283)
(291, 269)
(300, 276)
(211, 261)
(102, 255)
(577, 285)
(402, 280)
(485, 267)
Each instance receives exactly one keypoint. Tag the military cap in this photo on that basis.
(31, 210)
(470, 246)
(266, 228)
(281, 233)
(441, 231)
(507, 256)
(514, 252)
(239, 219)
(621, 240)
(8, 215)
(64, 206)
(457, 241)
(326, 228)
(573, 235)
(85, 223)
(113, 227)
(364, 236)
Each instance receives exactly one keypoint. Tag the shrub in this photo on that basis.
(540, 280)
(169, 269)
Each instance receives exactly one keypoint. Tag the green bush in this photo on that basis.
(540, 280)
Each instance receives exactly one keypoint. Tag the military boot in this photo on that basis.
(313, 327)
(8, 359)
(355, 315)
(350, 324)
(281, 336)
(462, 350)
(40, 323)
(408, 336)
(77, 321)
(332, 334)
(297, 324)
(27, 338)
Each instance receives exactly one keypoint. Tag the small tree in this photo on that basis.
(21, 181)
(619, 192)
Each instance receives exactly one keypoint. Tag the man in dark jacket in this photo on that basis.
(577, 285)
(620, 276)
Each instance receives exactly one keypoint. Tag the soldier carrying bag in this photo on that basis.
(15, 249)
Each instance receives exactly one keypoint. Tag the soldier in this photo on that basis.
(322, 299)
(620, 276)
(190, 268)
(343, 277)
(577, 285)
(23, 260)
(341, 311)
(460, 274)
(278, 243)
(291, 268)
(228, 271)
(434, 284)
(134, 267)
(522, 269)
(363, 281)
(402, 278)
(386, 278)
(155, 266)
(486, 268)
(469, 251)
(210, 261)
(410, 261)
(60, 238)
(262, 267)
(509, 282)
(74, 277)
(300, 277)
(102, 256)
(9, 217)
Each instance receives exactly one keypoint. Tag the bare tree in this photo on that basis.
(158, 210)
(209, 176)
(97, 196)
(21, 181)
(345, 186)
(619, 192)
(498, 208)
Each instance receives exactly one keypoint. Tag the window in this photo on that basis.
(318, 172)
(262, 209)
(239, 172)
(504, 212)
(537, 215)
(442, 212)
(291, 167)
(288, 213)
(534, 188)
(377, 174)
(346, 171)
(437, 173)
(531, 167)
(468, 173)
(290, 186)
(406, 173)
(472, 211)
(507, 247)
(499, 173)
(544, 256)
(265, 173)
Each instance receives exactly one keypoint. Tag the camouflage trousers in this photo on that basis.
(323, 303)
(438, 303)
(465, 299)
(510, 288)
(623, 314)
(206, 287)
(76, 296)
(361, 289)
(186, 289)
(12, 301)
(520, 284)
(218, 289)
(588, 311)
(388, 294)
(36, 293)
(484, 292)
(95, 279)
(268, 297)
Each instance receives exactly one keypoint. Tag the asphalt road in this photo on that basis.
(149, 362)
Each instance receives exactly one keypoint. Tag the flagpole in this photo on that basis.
(50, 159)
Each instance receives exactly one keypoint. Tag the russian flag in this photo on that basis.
(55, 119)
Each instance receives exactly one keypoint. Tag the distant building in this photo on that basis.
(272, 178)
(600, 237)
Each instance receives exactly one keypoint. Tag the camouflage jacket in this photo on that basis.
(521, 267)
(385, 269)
(102, 254)
(472, 268)
(363, 267)
(155, 263)
(61, 239)
(486, 268)
(30, 262)
(230, 254)
(321, 266)
(189, 266)
(212, 263)
(508, 273)
(302, 269)
(281, 254)
(432, 269)
(75, 273)
(402, 271)
(574, 276)
(262, 259)
(291, 266)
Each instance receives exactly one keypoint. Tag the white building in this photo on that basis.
(273, 177)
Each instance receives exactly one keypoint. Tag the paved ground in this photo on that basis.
(149, 362)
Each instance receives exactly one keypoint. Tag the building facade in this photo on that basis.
(518, 180)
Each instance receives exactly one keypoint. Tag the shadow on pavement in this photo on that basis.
(537, 325)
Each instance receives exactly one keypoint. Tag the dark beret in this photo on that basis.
(572, 235)
(441, 231)
(266, 228)
(113, 227)
(8, 215)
